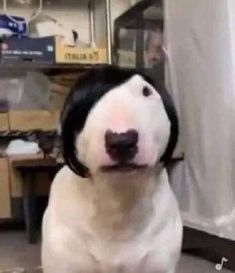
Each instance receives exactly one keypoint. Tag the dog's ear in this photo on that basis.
(172, 115)
(71, 121)
(82, 97)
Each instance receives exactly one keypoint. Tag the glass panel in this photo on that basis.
(153, 48)
(139, 41)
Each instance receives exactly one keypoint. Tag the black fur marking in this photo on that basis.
(172, 115)
(84, 95)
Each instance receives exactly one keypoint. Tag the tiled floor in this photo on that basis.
(16, 253)
(190, 264)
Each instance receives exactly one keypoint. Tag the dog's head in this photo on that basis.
(117, 121)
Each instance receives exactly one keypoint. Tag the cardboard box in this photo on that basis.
(23, 49)
(4, 125)
(5, 200)
(70, 54)
(58, 95)
(33, 120)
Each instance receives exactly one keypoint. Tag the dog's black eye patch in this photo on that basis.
(147, 92)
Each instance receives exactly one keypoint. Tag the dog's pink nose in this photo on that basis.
(122, 147)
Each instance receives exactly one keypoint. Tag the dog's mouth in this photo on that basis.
(123, 167)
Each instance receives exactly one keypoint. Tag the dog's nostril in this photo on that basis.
(121, 146)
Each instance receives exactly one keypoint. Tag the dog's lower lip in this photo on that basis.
(123, 167)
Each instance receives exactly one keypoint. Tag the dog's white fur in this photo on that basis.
(115, 222)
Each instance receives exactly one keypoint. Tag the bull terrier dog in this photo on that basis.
(111, 208)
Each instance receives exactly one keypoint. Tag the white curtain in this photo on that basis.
(200, 39)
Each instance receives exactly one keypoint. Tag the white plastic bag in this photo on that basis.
(21, 147)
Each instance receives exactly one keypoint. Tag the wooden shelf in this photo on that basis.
(47, 68)
(8, 135)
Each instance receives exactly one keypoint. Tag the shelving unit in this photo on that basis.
(95, 9)
(98, 13)
(10, 135)
(89, 27)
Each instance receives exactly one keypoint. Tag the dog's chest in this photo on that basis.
(148, 244)
(150, 253)
(132, 260)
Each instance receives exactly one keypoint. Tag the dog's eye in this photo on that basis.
(147, 92)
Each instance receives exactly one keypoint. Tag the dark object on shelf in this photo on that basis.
(23, 49)
(12, 25)
(138, 38)
(46, 143)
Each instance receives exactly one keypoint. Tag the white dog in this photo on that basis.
(111, 208)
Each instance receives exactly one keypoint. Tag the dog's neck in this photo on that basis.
(120, 205)
(122, 192)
